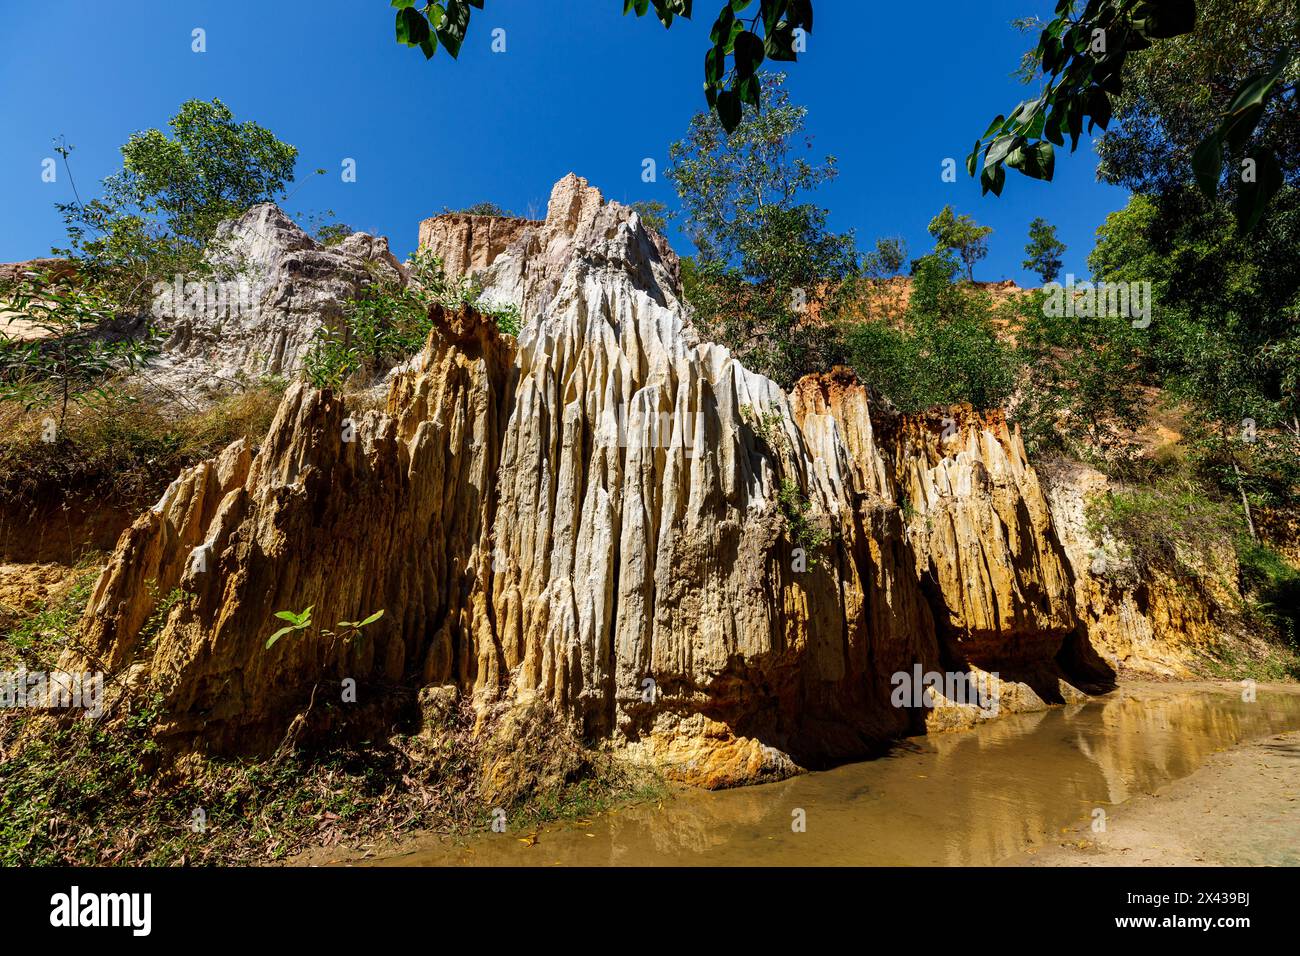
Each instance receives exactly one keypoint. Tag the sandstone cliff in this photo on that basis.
(272, 287)
(607, 518)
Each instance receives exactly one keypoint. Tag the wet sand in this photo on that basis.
(1241, 808)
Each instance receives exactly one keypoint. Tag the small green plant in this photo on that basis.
(389, 323)
(795, 507)
(162, 609)
(301, 620)
(506, 317)
(298, 621)
(353, 628)
(766, 426)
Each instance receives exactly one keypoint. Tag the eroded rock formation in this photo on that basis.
(271, 289)
(609, 518)
(466, 243)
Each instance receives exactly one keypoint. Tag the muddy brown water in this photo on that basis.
(966, 798)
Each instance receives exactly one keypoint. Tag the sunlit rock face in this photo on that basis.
(608, 517)
(1150, 619)
(465, 243)
(270, 290)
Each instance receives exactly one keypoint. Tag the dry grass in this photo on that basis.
(123, 450)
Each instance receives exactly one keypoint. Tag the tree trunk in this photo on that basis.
(1245, 502)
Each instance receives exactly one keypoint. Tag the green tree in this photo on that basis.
(727, 182)
(1176, 92)
(653, 213)
(160, 211)
(963, 236)
(945, 351)
(886, 259)
(1225, 337)
(764, 256)
(1044, 251)
(1082, 386)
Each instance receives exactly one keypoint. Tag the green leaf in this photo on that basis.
(1074, 119)
(360, 624)
(1248, 105)
(749, 54)
(1099, 109)
(721, 34)
(1207, 164)
(454, 23)
(277, 635)
(300, 619)
(1253, 198)
(996, 126)
(729, 110)
(1040, 161)
(780, 44)
(1052, 128)
(992, 179)
(412, 28)
(714, 62)
(999, 149)
(801, 14)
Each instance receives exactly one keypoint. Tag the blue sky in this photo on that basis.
(892, 89)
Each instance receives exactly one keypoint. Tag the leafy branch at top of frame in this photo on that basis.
(1082, 60)
(744, 35)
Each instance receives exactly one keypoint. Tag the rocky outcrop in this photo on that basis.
(983, 536)
(1141, 618)
(271, 289)
(11, 272)
(467, 243)
(580, 229)
(346, 517)
(609, 519)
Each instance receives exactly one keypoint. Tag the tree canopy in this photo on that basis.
(159, 211)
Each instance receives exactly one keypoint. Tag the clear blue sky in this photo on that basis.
(892, 89)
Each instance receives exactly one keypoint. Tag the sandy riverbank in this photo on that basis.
(1241, 808)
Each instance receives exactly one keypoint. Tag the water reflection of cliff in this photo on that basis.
(954, 799)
